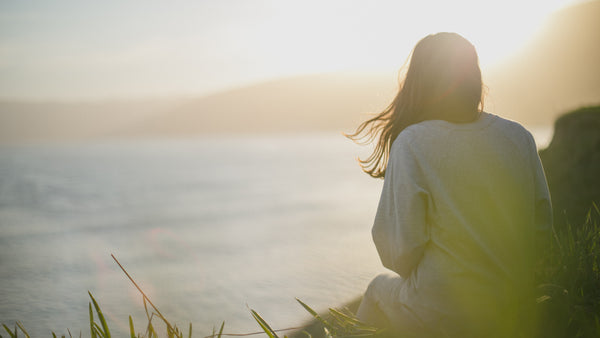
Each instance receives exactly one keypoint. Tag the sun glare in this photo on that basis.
(204, 48)
(344, 35)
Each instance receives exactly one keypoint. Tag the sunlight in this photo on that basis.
(379, 35)
(206, 47)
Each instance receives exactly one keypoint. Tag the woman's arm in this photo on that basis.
(400, 228)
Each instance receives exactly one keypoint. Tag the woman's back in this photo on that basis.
(457, 202)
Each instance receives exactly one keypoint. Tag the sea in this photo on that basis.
(209, 228)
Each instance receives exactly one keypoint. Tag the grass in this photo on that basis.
(569, 281)
(568, 278)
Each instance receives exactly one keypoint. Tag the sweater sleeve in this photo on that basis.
(543, 204)
(400, 230)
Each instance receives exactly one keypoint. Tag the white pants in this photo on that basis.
(381, 306)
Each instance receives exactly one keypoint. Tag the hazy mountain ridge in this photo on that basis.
(305, 103)
(556, 72)
(70, 121)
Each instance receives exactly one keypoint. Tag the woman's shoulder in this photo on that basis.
(505, 123)
(409, 135)
(486, 125)
(485, 120)
(514, 130)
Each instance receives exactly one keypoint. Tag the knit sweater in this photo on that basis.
(459, 214)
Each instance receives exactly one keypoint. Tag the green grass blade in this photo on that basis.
(23, 329)
(352, 322)
(101, 317)
(220, 330)
(131, 329)
(53, 334)
(13, 335)
(314, 313)
(92, 333)
(342, 318)
(190, 332)
(308, 308)
(99, 330)
(146, 308)
(263, 324)
(150, 329)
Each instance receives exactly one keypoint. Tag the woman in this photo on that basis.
(464, 200)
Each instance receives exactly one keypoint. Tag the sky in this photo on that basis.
(90, 50)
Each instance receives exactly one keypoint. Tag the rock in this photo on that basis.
(572, 165)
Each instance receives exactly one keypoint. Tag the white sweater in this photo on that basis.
(458, 215)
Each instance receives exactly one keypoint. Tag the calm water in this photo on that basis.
(208, 227)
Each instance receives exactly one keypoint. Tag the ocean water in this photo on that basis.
(208, 227)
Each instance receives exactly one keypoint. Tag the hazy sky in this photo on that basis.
(114, 49)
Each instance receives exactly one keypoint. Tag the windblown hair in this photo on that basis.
(442, 82)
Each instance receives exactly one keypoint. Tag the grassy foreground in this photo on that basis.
(567, 275)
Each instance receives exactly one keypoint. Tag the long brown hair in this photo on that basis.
(442, 82)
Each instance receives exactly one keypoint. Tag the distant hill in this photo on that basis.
(558, 71)
(305, 103)
(33, 122)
